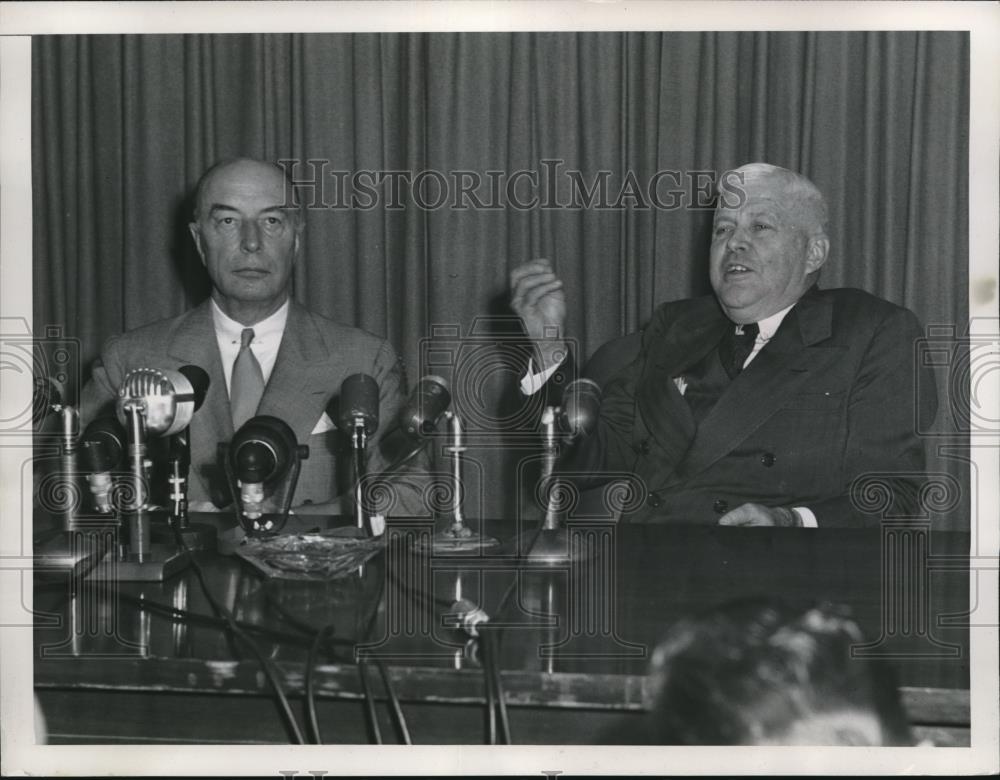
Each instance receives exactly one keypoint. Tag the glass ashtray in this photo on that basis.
(326, 555)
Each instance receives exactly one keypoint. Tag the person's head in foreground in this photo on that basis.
(761, 673)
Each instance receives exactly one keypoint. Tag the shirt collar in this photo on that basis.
(271, 326)
(769, 325)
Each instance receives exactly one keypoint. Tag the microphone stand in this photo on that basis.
(458, 537)
(139, 560)
(70, 547)
(197, 536)
(257, 523)
(359, 445)
(552, 541)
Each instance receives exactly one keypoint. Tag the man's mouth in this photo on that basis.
(251, 273)
(736, 269)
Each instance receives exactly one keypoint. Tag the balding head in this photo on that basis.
(801, 197)
(246, 168)
(769, 240)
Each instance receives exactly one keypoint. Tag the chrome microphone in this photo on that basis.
(166, 398)
(430, 399)
(581, 406)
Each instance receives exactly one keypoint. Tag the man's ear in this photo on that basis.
(196, 235)
(816, 253)
(300, 225)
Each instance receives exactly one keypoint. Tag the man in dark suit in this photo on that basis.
(762, 404)
(264, 353)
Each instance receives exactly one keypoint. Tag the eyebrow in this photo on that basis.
(215, 207)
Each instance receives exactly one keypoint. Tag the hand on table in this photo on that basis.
(760, 515)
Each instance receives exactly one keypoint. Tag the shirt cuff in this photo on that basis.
(531, 382)
(808, 518)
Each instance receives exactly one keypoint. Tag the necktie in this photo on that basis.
(737, 346)
(247, 383)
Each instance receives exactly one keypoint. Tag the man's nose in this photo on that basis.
(737, 240)
(250, 236)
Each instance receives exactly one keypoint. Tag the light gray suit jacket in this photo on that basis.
(316, 354)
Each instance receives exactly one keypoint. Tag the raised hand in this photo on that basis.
(538, 298)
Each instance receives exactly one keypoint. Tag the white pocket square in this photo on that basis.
(324, 424)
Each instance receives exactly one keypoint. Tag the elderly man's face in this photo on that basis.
(248, 238)
(762, 252)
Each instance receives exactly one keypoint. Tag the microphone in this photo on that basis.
(199, 381)
(260, 454)
(103, 446)
(358, 404)
(46, 394)
(581, 406)
(166, 397)
(418, 418)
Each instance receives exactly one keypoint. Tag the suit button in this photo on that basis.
(720, 506)
(767, 459)
(654, 500)
(644, 447)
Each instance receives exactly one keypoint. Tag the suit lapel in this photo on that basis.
(776, 373)
(298, 388)
(664, 410)
(194, 342)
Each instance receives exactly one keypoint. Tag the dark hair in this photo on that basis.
(749, 671)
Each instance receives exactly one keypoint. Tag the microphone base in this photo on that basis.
(552, 547)
(161, 563)
(197, 536)
(72, 552)
(459, 540)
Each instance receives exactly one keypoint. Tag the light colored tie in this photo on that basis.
(247, 383)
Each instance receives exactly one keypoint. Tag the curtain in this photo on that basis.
(123, 126)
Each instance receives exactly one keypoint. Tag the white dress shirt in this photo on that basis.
(532, 382)
(266, 339)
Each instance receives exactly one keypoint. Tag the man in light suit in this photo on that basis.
(250, 334)
(762, 404)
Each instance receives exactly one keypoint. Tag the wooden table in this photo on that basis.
(574, 651)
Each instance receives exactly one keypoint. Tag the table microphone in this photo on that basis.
(359, 404)
(581, 406)
(47, 396)
(103, 448)
(166, 397)
(419, 416)
(261, 454)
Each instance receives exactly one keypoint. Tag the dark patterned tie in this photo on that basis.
(247, 384)
(736, 347)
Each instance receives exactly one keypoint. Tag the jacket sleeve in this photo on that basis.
(400, 492)
(98, 394)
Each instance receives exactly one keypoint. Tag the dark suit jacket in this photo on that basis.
(833, 396)
(314, 357)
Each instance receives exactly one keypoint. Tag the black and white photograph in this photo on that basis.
(546, 388)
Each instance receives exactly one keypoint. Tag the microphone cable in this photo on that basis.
(270, 670)
(491, 670)
(324, 636)
(311, 663)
